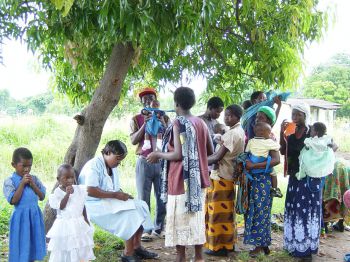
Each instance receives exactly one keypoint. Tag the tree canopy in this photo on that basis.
(331, 81)
(234, 44)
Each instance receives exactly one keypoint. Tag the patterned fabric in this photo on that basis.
(190, 161)
(165, 165)
(182, 227)
(221, 228)
(302, 217)
(258, 223)
(335, 187)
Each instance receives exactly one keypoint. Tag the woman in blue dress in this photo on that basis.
(112, 209)
(27, 232)
(303, 208)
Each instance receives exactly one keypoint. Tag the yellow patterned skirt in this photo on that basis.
(220, 217)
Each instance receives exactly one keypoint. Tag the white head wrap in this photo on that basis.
(305, 108)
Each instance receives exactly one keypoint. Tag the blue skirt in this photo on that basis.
(302, 216)
(258, 225)
(27, 234)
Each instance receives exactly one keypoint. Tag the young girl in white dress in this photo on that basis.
(71, 236)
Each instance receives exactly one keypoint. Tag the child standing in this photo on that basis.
(71, 236)
(260, 146)
(23, 190)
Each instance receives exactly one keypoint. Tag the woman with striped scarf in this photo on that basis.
(185, 175)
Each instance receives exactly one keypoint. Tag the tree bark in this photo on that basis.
(87, 136)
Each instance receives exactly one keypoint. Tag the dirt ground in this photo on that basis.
(333, 248)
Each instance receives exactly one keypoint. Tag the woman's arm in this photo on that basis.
(217, 156)
(275, 160)
(175, 155)
(99, 193)
(210, 146)
(282, 141)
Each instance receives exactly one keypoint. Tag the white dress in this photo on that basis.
(71, 238)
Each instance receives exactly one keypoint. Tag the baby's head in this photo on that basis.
(318, 129)
(65, 175)
(262, 129)
(155, 104)
(246, 104)
(22, 160)
(219, 129)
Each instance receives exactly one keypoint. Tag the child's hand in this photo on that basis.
(248, 165)
(27, 179)
(69, 190)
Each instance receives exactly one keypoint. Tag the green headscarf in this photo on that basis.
(269, 112)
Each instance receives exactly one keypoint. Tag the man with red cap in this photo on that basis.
(148, 173)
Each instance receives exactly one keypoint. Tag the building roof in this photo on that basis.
(319, 103)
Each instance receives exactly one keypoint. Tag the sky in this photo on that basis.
(20, 75)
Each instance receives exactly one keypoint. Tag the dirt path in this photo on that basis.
(332, 248)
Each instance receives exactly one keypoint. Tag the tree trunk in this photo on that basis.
(88, 135)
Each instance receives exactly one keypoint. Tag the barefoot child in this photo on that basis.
(71, 236)
(23, 190)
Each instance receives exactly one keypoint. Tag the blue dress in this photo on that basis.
(121, 218)
(27, 231)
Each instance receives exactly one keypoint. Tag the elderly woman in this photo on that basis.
(112, 209)
(303, 208)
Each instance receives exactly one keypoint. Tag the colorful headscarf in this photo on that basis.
(269, 112)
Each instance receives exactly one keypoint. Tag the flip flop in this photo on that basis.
(347, 257)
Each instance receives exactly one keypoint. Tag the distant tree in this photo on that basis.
(4, 99)
(331, 82)
(39, 103)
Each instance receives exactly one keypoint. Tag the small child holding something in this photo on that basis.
(317, 158)
(219, 130)
(71, 236)
(23, 190)
(154, 127)
(260, 146)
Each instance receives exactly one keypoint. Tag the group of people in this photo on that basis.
(194, 174)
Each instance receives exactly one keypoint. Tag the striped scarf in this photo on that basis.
(190, 163)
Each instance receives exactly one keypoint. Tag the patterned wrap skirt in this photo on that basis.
(335, 186)
(221, 227)
(302, 216)
(258, 221)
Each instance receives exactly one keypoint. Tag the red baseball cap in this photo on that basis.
(147, 91)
